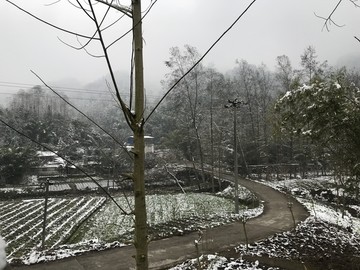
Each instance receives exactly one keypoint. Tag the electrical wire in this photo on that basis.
(64, 89)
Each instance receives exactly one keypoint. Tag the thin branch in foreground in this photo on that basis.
(130, 30)
(329, 19)
(354, 2)
(53, 3)
(47, 23)
(82, 47)
(83, 114)
(67, 160)
(111, 24)
(357, 38)
(86, 11)
(129, 117)
(123, 9)
(175, 178)
(328, 22)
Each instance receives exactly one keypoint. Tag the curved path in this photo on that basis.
(167, 252)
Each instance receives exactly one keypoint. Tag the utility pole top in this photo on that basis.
(235, 103)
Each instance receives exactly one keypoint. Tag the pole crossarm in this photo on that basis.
(235, 103)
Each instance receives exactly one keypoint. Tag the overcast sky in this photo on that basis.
(270, 28)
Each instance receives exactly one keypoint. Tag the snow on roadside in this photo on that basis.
(327, 236)
(331, 216)
(215, 262)
(324, 236)
(65, 251)
(317, 209)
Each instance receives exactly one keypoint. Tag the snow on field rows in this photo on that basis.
(167, 214)
(22, 229)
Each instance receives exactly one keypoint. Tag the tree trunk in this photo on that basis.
(141, 241)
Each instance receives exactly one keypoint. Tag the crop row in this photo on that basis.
(21, 222)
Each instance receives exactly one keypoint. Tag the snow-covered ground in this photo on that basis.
(2, 253)
(20, 222)
(327, 235)
(328, 238)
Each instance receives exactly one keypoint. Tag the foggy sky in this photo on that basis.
(270, 28)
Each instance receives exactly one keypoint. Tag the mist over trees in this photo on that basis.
(307, 116)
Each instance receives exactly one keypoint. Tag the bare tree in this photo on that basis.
(189, 94)
(134, 119)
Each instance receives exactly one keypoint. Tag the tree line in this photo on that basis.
(306, 116)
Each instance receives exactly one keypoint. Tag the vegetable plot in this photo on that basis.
(21, 222)
(74, 226)
(167, 215)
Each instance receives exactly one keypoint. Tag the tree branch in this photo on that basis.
(129, 117)
(197, 62)
(175, 178)
(67, 160)
(86, 11)
(82, 47)
(111, 24)
(357, 38)
(130, 30)
(353, 1)
(50, 24)
(83, 114)
(123, 9)
(328, 20)
(53, 3)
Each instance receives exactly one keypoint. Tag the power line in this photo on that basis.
(64, 89)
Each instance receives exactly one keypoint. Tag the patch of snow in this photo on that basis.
(307, 132)
(337, 85)
(215, 262)
(2, 253)
(332, 216)
(45, 154)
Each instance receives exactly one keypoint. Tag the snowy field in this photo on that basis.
(21, 222)
(71, 229)
(328, 237)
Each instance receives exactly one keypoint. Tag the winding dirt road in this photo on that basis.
(167, 252)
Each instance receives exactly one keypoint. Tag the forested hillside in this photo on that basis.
(308, 117)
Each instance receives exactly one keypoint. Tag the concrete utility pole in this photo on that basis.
(235, 104)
